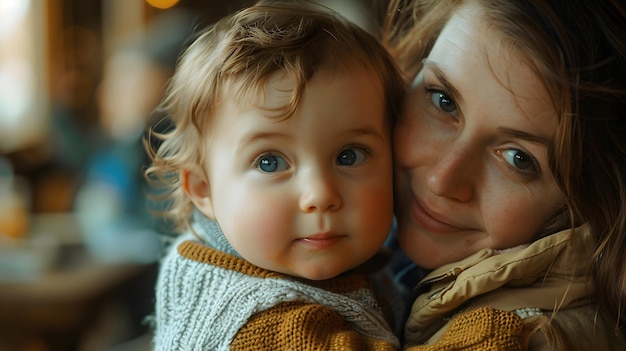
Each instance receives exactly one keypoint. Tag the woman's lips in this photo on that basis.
(429, 220)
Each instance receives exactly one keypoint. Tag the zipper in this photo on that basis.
(449, 274)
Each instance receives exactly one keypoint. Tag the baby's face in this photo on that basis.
(309, 195)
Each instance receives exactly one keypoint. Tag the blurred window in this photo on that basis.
(23, 101)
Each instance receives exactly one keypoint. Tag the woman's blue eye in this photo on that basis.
(351, 157)
(272, 163)
(520, 160)
(444, 102)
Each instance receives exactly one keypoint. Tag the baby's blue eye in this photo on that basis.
(272, 163)
(351, 157)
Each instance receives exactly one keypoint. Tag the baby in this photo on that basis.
(279, 170)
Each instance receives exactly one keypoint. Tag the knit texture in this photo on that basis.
(209, 300)
(483, 329)
(278, 329)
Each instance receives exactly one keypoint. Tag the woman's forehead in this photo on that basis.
(474, 60)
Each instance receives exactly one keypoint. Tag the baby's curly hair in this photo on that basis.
(233, 59)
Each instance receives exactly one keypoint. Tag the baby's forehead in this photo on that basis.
(281, 91)
(289, 80)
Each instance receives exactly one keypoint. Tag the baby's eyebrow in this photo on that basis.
(260, 136)
(441, 77)
(366, 131)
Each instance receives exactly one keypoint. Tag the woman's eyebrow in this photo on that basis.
(537, 139)
(441, 77)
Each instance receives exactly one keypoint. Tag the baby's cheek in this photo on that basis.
(265, 225)
(264, 237)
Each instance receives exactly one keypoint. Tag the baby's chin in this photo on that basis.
(318, 272)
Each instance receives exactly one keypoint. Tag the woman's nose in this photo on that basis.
(319, 193)
(452, 175)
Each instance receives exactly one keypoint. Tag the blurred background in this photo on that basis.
(79, 80)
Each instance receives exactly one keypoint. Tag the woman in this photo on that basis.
(511, 171)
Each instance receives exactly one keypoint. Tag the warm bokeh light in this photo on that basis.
(162, 4)
(21, 66)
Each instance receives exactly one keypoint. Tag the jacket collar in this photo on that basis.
(549, 274)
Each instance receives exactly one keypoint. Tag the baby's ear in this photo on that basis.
(196, 186)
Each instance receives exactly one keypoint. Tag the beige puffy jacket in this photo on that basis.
(492, 297)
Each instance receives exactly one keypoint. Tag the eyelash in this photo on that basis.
(255, 162)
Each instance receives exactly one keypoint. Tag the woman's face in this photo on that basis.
(471, 148)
